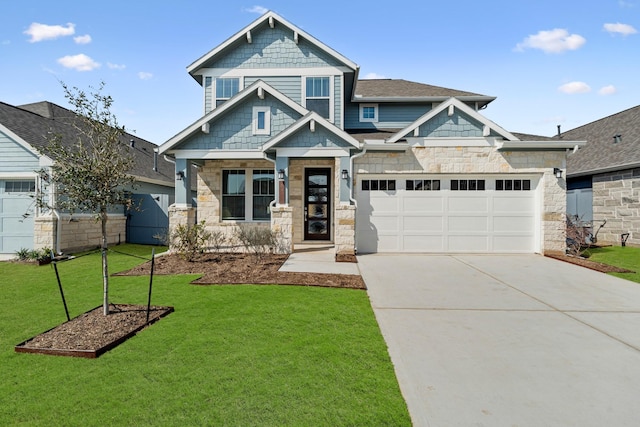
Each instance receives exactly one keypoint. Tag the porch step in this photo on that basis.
(313, 247)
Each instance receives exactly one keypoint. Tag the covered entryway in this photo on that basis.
(17, 210)
(456, 213)
(317, 204)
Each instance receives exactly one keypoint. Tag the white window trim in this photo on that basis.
(267, 120)
(368, 120)
(248, 196)
(331, 94)
(214, 83)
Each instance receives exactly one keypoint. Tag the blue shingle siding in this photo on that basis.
(321, 138)
(291, 86)
(234, 131)
(389, 116)
(337, 101)
(458, 125)
(274, 48)
(15, 158)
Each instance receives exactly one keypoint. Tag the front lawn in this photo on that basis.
(625, 257)
(228, 355)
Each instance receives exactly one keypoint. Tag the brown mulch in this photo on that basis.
(238, 268)
(593, 265)
(93, 332)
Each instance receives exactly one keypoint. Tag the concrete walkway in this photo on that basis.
(515, 340)
(318, 259)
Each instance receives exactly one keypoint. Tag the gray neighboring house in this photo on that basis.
(603, 178)
(23, 134)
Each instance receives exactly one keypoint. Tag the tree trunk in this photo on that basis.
(105, 268)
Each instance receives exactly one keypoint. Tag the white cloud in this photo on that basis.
(575, 87)
(116, 66)
(557, 40)
(372, 76)
(86, 39)
(618, 28)
(79, 62)
(144, 75)
(607, 90)
(39, 32)
(256, 9)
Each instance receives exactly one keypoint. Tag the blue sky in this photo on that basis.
(548, 62)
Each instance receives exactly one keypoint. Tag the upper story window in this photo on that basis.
(261, 120)
(318, 96)
(226, 88)
(369, 113)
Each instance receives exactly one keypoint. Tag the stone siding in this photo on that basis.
(78, 232)
(345, 229)
(616, 198)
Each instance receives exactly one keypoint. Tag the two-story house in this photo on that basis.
(291, 139)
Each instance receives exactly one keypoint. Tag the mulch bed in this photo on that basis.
(240, 268)
(92, 333)
(583, 262)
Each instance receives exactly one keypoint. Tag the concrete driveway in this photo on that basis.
(509, 340)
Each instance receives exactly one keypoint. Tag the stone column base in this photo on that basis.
(345, 230)
(282, 225)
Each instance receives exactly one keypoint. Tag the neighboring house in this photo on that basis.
(291, 139)
(603, 179)
(24, 131)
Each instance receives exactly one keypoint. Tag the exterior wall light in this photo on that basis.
(281, 174)
(557, 172)
(179, 175)
(345, 174)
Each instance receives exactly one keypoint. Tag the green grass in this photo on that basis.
(625, 257)
(228, 355)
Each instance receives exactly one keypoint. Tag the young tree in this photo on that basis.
(91, 166)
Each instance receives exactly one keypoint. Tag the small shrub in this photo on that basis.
(189, 241)
(217, 240)
(23, 254)
(256, 240)
(577, 234)
(163, 237)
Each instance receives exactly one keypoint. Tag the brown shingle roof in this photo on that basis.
(392, 88)
(601, 152)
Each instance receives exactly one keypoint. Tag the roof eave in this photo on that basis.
(466, 98)
(539, 145)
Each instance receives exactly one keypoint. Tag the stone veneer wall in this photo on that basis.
(616, 198)
(282, 224)
(345, 229)
(79, 233)
(484, 160)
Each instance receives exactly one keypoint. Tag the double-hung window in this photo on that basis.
(318, 96)
(226, 88)
(247, 193)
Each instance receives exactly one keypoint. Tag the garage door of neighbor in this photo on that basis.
(16, 215)
(445, 214)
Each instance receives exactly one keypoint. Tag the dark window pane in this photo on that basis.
(409, 184)
(508, 184)
(454, 184)
(463, 184)
(233, 207)
(261, 207)
(383, 184)
(517, 184)
(526, 184)
(472, 185)
(320, 106)
(499, 184)
(391, 185)
(365, 185)
(481, 185)
(435, 185)
(374, 184)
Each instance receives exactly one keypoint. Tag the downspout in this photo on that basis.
(353, 184)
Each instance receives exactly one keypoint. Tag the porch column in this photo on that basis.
(345, 184)
(282, 189)
(183, 183)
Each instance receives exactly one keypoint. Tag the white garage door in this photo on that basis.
(16, 215)
(446, 214)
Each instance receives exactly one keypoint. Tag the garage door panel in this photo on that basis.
(16, 231)
(411, 203)
(417, 224)
(385, 224)
(512, 223)
(388, 243)
(468, 243)
(503, 204)
(468, 204)
(423, 243)
(468, 224)
(516, 243)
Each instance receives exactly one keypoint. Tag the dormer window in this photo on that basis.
(369, 113)
(318, 96)
(225, 89)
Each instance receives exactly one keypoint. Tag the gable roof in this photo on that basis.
(381, 90)
(455, 103)
(228, 105)
(308, 118)
(601, 153)
(33, 123)
(268, 19)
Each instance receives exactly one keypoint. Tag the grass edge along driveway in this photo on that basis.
(229, 355)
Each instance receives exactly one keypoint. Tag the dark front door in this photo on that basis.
(317, 204)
